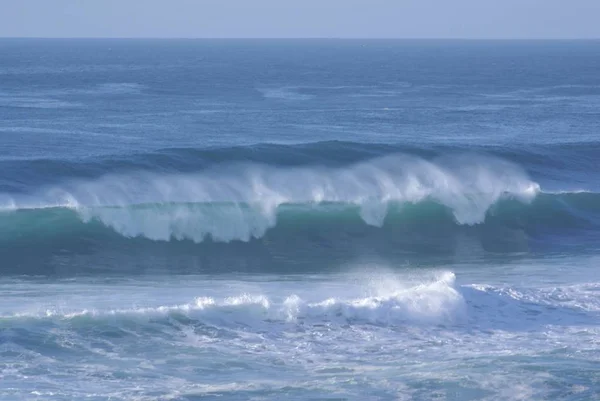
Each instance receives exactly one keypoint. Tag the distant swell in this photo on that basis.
(559, 165)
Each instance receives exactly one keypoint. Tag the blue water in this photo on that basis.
(319, 219)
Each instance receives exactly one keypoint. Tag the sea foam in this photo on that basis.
(435, 301)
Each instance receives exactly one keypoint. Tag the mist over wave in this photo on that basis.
(555, 167)
(241, 201)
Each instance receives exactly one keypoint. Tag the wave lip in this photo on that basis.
(434, 302)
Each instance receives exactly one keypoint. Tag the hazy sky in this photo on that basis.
(302, 18)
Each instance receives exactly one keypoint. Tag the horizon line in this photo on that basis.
(306, 38)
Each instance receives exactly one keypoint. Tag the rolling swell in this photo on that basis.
(566, 162)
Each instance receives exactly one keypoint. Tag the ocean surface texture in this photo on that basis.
(299, 220)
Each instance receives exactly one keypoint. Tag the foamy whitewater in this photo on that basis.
(184, 220)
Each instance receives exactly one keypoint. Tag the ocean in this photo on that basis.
(299, 220)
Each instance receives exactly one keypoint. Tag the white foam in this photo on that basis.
(109, 88)
(35, 102)
(284, 93)
(432, 302)
(574, 298)
(118, 88)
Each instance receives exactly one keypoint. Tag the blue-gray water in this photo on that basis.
(396, 220)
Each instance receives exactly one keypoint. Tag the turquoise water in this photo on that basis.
(299, 220)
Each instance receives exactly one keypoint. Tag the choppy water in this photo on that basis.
(299, 220)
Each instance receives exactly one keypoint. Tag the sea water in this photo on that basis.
(299, 219)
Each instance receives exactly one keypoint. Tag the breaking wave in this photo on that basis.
(241, 202)
(433, 302)
(260, 217)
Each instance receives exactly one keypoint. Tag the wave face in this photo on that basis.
(228, 221)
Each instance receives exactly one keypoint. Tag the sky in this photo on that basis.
(469, 19)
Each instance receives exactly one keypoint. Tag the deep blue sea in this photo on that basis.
(299, 220)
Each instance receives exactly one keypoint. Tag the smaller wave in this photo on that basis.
(69, 69)
(386, 300)
(109, 88)
(118, 88)
(550, 93)
(578, 297)
(511, 308)
(34, 102)
(433, 302)
(481, 107)
(381, 93)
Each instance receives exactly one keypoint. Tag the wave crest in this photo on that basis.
(241, 201)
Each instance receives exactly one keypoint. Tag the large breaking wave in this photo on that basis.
(243, 201)
(255, 216)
